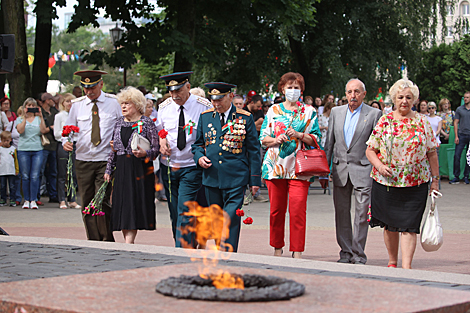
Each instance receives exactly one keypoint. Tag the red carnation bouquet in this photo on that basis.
(68, 131)
(162, 134)
(95, 206)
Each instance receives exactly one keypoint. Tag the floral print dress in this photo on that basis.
(403, 145)
(447, 120)
(279, 161)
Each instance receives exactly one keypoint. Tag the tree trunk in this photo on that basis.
(313, 81)
(42, 47)
(19, 81)
(185, 24)
(2, 76)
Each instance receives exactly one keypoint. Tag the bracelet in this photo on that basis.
(435, 177)
(302, 136)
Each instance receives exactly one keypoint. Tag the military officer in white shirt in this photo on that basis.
(95, 114)
(182, 178)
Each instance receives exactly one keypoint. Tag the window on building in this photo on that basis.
(449, 32)
(465, 8)
(67, 19)
(450, 10)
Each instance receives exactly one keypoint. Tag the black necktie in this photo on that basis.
(222, 120)
(181, 142)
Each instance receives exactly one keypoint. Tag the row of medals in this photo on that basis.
(232, 142)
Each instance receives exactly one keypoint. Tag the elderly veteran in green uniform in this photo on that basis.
(182, 179)
(95, 114)
(227, 148)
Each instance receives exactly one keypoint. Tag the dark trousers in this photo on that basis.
(11, 180)
(459, 148)
(185, 183)
(90, 178)
(62, 162)
(49, 171)
(229, 200)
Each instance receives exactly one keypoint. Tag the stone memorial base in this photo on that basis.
(134, 291)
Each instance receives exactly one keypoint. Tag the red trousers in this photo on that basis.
(280, 192)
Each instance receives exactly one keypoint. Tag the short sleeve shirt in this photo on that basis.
(403, 145)
(30, 139)
(463, 115)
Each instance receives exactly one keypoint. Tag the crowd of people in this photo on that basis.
(385, 156)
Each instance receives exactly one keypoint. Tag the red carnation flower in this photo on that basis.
(240, 212)
(248, 221)
(162, 134)
(69, 129)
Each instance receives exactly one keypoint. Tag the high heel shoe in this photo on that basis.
(296, 255)
(392, 265)
(278, 252)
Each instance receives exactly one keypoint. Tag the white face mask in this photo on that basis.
(292, 95)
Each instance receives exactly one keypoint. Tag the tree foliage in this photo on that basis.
(445, 72)
(253, 42)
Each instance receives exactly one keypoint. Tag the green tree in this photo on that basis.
(445, 72)
(431, 77)
(253, 42)
(14, 23)
(457, 73)
(45, 11)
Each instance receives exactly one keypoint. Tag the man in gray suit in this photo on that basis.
(349, 128)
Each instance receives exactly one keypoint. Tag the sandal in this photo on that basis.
(75, 206)
(392, 265)
(63, 206)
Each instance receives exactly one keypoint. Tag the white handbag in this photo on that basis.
(431, 233)
(138, 140)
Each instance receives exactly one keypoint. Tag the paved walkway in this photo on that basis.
(453, 257)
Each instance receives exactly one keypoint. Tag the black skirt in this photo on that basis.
(398, 209)
(133, 193)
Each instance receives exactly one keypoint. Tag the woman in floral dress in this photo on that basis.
(447, 116)
(402, 149)
(285, 127)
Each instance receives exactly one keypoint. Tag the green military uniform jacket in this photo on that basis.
(234, 152)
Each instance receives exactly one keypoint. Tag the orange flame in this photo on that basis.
(211, 223)
(225, 280)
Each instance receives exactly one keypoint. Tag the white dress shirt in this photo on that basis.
(168, 119)
(80, 115)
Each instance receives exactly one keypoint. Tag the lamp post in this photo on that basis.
(60, 53)
(116, 34)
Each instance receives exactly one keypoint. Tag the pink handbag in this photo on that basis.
(311, 162)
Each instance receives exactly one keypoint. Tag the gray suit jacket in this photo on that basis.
(350, 162)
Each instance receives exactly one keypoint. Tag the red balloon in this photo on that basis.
(51, 62)
(251, 93)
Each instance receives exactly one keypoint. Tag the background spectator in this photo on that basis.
(63, 156)
(30, 157)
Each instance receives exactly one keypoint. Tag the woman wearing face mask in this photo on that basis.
(285, 127)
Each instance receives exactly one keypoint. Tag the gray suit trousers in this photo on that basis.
(352, 243)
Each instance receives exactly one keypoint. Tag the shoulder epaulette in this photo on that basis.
(165, 103)
(208, 111)
(204, 101)
(241, 111)
(110, 95)
(78, 99)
